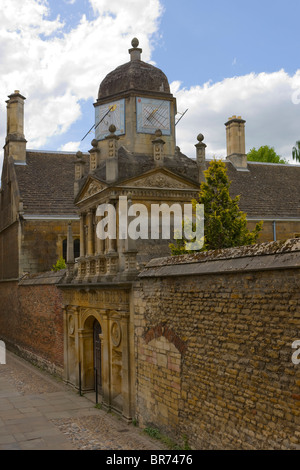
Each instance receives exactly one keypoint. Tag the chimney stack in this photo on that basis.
(15, 143)
(235, 137)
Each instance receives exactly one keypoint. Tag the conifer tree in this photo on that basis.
(225, 225)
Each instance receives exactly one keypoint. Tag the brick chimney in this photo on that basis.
(235, 137)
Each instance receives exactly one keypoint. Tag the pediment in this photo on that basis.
(91, 188)
(159, 179)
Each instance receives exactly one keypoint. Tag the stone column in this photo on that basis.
(66, 344)
(99, 243)
(105, 357)
(82, 236)
(70, 252)
(90, 247)
(126, 385)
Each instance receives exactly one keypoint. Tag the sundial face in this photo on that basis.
(107, 114)
(153, 114)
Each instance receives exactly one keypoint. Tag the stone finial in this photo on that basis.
(112, 139)
(200, 157)
(112, 128)
(79, 166)
(94, 155)
(200, 149)
(135, 51)
(112, 160)
(79, 171)
(158, 148)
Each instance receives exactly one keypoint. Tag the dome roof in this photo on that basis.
(134, 75)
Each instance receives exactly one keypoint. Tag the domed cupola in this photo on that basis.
(135, 98)
(134, 75)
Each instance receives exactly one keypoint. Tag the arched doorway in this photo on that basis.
(97, 354)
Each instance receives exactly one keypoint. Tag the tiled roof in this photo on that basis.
(267, 190)
(46, 183)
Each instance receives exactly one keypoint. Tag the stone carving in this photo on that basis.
(115, 334)
(92, 189)
(71, 325)
(159, 181)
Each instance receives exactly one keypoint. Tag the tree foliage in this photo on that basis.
(225, 225)
(296, 151)
(60, 264)
(264, 154)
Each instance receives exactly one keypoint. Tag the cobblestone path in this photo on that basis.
(38, 411)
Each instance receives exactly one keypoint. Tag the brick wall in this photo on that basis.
(213, 336)
(31, 320)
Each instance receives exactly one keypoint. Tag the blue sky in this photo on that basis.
(221, 58)
(219, 39)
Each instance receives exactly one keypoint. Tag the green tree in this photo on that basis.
(296, 151)
(264, 154)
(225, 225)
(60, 264)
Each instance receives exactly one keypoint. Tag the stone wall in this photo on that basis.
(214, 334)
(31, 319)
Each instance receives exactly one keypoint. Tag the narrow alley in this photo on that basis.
(40, 412)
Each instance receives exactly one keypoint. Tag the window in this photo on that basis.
(76, 245)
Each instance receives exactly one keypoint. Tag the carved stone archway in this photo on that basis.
(116, 368)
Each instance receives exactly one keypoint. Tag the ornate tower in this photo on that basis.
(136, 99)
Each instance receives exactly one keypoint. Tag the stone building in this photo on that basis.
(36, 201)
(133, 158)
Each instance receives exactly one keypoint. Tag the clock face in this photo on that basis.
(152, 115)
(107, 114)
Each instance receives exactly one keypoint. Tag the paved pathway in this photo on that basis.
(38, 411)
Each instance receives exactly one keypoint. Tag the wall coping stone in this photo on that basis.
(258, 257)
(49, 277)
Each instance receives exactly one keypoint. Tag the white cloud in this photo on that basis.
(264, 100)
(57, 69)
(70, 147)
